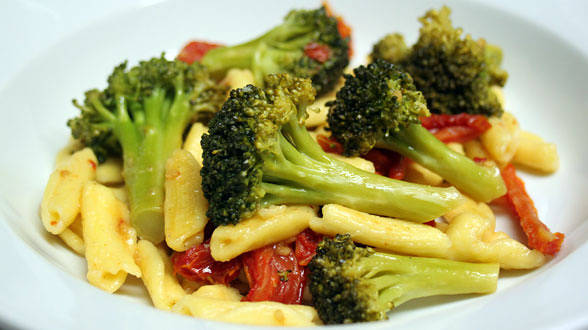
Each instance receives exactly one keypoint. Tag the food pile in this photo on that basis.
(266, 183)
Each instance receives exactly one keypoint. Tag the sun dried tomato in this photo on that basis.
(538, 235)
(461, 128)
(274, 274)
(306, 243)
(318, 52)
(388, 163)
(329, 145)
(197, 264)
(195, 50)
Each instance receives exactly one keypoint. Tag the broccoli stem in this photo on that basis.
(147, 143)
(221, 59)
(287, 38)
(415, 142)
(305, 174)
(400, 278)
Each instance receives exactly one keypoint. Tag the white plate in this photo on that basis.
(42, 283)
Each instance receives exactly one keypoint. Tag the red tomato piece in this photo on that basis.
(274, 274)
(398, 170)
(388, 163)
(318, 52)
(195, 50)
(431, 223)
(459, 134)
(456, 128)
(306, 243)
(538, 235)
(478, 122)
(329, 145)
(196, 264)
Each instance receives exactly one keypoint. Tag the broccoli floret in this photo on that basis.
(379, 106)
(289, 48)
(258, 153)
(352, 284)
(454, 73)
(142, 115)
(392, 48)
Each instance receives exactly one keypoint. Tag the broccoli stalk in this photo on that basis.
(258, 153)
(283, 49)
(144, 111)
(454, 73)
(351, 284)
(380, 107)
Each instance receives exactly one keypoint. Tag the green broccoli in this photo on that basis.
(285, 49)
(454, 73)
(380, 107)
(352, 284)
(391, 48)
(257, 153)
(142, 115)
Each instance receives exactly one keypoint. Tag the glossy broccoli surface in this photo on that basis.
(306, 44)
(352, 284)
(454, 72)
(141, 115)
(379, 106)
(258, 153)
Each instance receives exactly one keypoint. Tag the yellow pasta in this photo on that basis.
(472, 231)
(110, 172)
(418, 174)
(536, 154)
(65, 154)
(185, 206)
(72, 236)
(475, 149)
(502, 139)
(469, 236)
(121, 193)
(218, 291)
(157, 275)
(252, 313)
(457, 147)
(385, 233)
(61, 200)
(237, 78)
(110, 239)
(269, 225)
(192, 143)
(361, 163)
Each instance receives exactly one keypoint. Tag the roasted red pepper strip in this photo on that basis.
(274, 274)
(196, 264)
(306, 243)
(461, 128)
(329, 145)
(318, 52)
(539, 236)
(195, 50)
